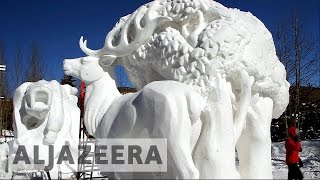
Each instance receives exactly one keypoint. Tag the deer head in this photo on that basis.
(87, 69)
(101, 89)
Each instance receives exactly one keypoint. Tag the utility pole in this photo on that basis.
(3, 69)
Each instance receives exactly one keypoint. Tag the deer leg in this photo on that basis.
(182, 157)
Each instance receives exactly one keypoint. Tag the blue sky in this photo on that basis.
(56, 26)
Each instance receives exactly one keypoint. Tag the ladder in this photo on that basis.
(86, 171)
(33, 174)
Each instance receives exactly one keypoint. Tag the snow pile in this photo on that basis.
(5, 172)
(310, 157)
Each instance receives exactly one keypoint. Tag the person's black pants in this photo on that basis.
(294, 172)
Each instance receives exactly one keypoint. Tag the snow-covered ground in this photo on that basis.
(5, 173)
(310, 157)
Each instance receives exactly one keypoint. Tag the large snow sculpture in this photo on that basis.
(46, 113)
(108, 114)
(228, 56)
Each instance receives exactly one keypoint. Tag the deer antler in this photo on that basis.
(143, 21)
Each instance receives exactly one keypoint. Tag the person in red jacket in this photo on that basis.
(293, 147)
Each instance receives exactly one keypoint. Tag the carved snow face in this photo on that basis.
(86, 69)
(37, 103)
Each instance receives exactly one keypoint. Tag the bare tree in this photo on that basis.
(4, 82)
(1, 62)
(19, 75)
(31, 68)
(284, 51)
(305, 61)
(36, 65)
(4, 93)
(298, 51)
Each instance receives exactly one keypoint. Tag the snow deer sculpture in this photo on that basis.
(197, 42)
(167, 109)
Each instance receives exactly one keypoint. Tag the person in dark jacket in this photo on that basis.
(293, 147)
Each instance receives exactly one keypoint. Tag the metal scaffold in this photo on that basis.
(86, 171)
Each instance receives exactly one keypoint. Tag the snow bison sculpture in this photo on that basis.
(224, 55)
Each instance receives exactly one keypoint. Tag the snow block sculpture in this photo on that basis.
(226, 55)
(46, 113)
